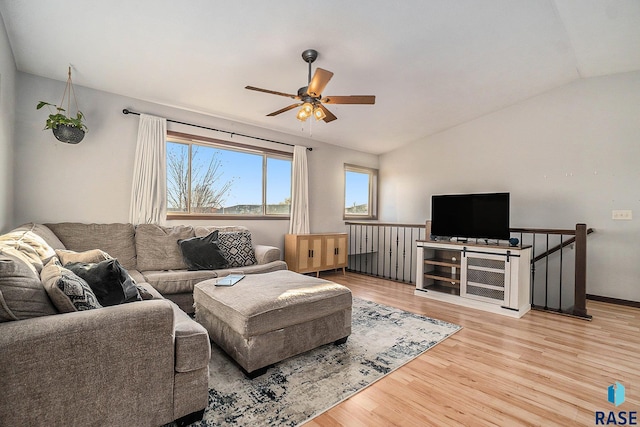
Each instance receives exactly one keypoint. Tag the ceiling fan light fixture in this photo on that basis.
(318, 113)
(305, 112)
(302, 116)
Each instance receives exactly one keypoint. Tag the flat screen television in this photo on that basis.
(476, 216)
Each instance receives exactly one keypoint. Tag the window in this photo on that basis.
(360, 192)
(207, 177)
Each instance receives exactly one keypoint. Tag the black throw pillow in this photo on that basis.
(202, 253)
(108, 280)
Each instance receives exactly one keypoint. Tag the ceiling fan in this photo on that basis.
(310, 96)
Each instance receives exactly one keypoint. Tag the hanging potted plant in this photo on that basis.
(65, 127)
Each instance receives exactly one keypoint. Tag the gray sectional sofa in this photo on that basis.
(150, 253)
(137, 363)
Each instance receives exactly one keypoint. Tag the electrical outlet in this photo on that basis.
(622, 214)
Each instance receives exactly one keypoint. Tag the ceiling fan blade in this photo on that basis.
(329, 115)
(319, 82)
(273, 92)
(351, 99)
(290, 107)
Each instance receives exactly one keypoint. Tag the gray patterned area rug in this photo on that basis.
(293, 391)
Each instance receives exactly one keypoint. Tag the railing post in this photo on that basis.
(580, 296)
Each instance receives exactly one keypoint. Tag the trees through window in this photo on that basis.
(207, 178)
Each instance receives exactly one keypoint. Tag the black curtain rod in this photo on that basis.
(125, 111)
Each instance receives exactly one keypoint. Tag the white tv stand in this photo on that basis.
(493, 278)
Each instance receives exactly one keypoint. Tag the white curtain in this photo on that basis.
(149, 189)
(299, 223)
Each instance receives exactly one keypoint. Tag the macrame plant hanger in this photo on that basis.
(66, 127)
(69, 89)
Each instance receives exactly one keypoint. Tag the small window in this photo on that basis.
(210, 178)
(360, 192)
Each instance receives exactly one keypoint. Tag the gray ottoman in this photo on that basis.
(266, 318)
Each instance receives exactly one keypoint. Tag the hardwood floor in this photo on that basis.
(543, 369)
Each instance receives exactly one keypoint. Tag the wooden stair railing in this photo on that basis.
(579, 239)
(383, 249)
(387, 250)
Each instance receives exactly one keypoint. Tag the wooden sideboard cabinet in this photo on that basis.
(308, 253)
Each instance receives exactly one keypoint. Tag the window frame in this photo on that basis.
(190, 140)
(372, 196)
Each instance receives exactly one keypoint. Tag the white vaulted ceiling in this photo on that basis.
(432, 64)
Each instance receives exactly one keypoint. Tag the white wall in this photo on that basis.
(7, 108)
(91, 181)
(569, 156)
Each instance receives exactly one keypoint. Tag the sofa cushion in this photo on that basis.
(108, 280)
(203, 230)
(115, 239)
(237, 248)
(68, 292)
(158, 248)
(94, 255)
(22, 295)
(44, 232)
(202, 253)
(193, 349)
(254, 269)
(176, 282)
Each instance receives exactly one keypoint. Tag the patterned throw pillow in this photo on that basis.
(67, 291)
(237, 248)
